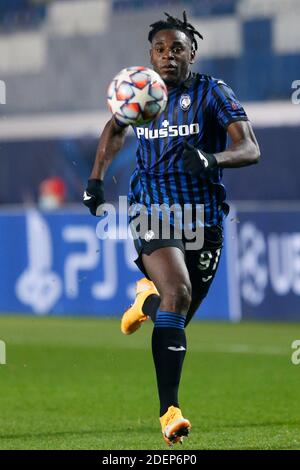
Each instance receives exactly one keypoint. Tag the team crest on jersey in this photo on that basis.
(185, 102)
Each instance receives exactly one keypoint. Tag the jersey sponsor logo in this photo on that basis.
(167, 131)
(185, 102)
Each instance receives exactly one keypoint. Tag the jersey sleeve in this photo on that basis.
(225, 106)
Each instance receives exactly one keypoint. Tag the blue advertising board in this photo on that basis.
(269, 262)
(54, 264)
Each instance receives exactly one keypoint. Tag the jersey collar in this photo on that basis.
(189, 81)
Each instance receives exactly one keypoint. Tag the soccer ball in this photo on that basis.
(137, 95)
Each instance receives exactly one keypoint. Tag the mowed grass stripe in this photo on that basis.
(80, 384)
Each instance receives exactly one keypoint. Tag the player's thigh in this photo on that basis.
(166, 267)
(202, 266)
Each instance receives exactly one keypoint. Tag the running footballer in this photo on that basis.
(184, 170)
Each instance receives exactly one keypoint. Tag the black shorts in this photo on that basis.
(201, 263)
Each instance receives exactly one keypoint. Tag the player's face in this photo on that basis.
(171, 55)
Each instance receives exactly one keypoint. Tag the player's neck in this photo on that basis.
(170, 85)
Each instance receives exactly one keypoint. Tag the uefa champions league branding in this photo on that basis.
(137, 95)
(159, 221)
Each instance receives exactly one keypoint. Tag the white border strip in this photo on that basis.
(52, 126)
(273, 113)
(267, 206)
(46, 126)
(231, 240)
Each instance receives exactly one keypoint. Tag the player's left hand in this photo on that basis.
(93, 196)
(196, 161)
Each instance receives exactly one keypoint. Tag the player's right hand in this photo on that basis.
(93, 196)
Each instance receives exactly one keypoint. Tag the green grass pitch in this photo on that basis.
(81, 384)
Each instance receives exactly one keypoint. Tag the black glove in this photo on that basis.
(196, 161)
(93, 196)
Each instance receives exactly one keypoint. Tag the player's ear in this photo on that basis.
(151, 56)
(192, 57)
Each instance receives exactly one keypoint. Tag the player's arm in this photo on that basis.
(243, 151)
(110, 143)
(224, 107)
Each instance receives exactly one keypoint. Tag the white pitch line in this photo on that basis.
(249, 349)
(220, 349)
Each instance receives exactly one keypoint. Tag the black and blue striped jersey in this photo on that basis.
(199, 111)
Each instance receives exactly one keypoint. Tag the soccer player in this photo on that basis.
(183, 167)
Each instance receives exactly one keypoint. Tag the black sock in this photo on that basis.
(151, 305)
(168, 349)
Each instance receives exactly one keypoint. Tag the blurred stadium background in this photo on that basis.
(57, 58)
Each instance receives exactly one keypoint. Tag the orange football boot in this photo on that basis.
(174, 426)
(134, 315)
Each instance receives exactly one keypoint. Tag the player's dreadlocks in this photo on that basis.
(175, 23)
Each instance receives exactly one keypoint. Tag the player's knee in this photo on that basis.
(176, 298)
